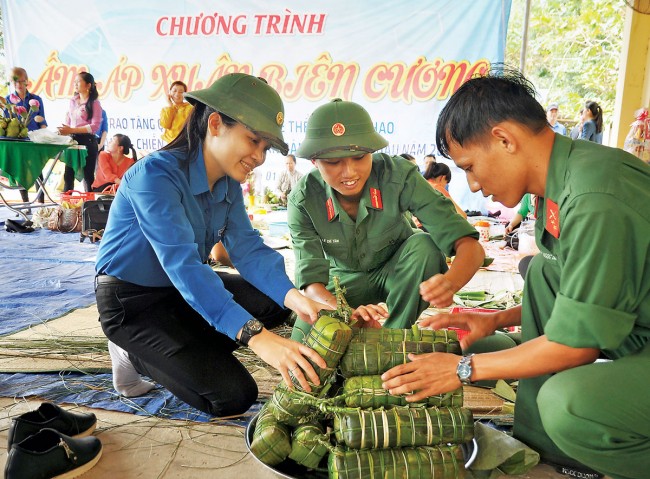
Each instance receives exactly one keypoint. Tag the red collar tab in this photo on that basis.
(375, 199)
(552, 218)
(329, 204)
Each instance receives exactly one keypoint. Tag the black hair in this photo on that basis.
(293, 157)
(125, 142)
(408, 157)
(482, 102)
(195, 128)
(93, 94)
(434, 170)
(597, 113)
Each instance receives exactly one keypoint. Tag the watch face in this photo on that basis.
(464, 371)
(254, 326)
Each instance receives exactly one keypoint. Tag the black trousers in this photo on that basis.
(90, 142)
(171, 343)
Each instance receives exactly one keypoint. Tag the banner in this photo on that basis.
(400, 59)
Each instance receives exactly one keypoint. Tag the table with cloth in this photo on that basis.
(22, 161)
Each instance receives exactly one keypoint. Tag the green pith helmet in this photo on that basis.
(339, 129)
(250, 101)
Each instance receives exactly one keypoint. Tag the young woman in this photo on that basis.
(173, 116)
(164, 310)
(439, 175)
(113, 163)
(592, 117)
(82, 121)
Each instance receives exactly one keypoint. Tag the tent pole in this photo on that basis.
(524, 39)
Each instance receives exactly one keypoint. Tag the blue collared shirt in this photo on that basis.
(33, 124)
(559, 128)
(103, 127)
(163, 223)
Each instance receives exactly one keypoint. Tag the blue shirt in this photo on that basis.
(33, 124)
(103, 127)
(558, 128)
(163, 223)
(589, 132)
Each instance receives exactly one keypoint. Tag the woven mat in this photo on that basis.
(484, 404)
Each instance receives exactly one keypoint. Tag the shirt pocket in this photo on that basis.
(383, 245)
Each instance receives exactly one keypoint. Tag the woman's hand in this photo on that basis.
(479, 325)
(424, 376)
(438, 291)
(306, 308)
(286, 355)
(509, 228)
(368, 316)
(64, 129)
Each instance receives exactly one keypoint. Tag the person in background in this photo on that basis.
(586, 296)
(173, 116)
(410, 158)
(166, 313)
(551, 117)
(113, 163)
(19, 81)
(576, 131)
(288, 178)
(83, 120)
(526, 208)
(592, 128)
(347, 218)
(428, 159)
(439, 175)
(102, 133)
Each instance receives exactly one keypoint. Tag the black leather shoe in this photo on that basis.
(48, 454)
(15, 226)
(48, 415)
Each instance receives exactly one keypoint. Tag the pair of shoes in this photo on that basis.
(51, 442)
(50, 454)
(16, 226)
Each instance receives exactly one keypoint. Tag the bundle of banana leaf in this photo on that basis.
(271, 440)
(309, 444)
(329, 337)
(367, 392)
(363, 359)
(373, 335)
(425, 462)
(402, 426)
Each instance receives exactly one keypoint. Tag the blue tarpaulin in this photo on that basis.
(96, 391)
(44, 275)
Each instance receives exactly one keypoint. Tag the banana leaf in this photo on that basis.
(367, 335)
(309, 445)
(271, 439)
(402, 427)
(432, 462)
(366, 392)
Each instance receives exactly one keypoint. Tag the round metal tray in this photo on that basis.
(291, 470)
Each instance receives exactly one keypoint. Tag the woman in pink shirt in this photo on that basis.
(439, 175)
(112, 163)
(82, 121)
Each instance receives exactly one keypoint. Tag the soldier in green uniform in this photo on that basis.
(347, 219)
(587, 295)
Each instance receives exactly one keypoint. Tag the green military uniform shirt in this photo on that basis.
(590, 288)
(325, 236)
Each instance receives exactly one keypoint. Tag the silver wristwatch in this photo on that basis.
(464, 369)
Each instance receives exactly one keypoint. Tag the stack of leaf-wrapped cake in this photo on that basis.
(367, 432)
